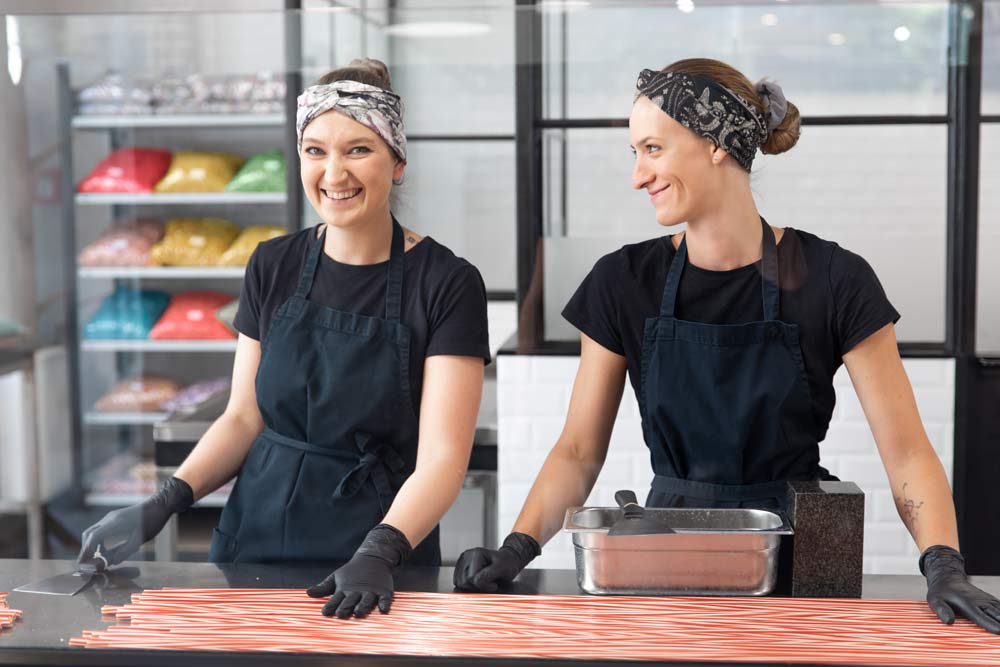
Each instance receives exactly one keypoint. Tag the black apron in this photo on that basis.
(340, 433)
(726, 410)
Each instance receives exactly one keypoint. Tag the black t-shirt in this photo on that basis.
(831, 293)
(444, 298)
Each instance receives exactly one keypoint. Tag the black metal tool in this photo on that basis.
(635, 520)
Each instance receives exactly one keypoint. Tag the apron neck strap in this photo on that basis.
(768, 276)
(309, 270)
(672, 285)
(394, 288)
(769, 273)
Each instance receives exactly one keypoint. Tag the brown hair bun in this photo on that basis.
(786, 135)
(783, 137)
(363, 70)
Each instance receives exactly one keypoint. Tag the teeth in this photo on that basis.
(346, 194)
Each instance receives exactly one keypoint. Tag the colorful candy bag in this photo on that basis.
(264, 172)
(142, 393)
(151, 228)
(127, 243)
(192, 171)
(194, 242)
(196, 393)
(127, 313)
(114, 94)
(133, 170)
(191, 316)
(238, 254)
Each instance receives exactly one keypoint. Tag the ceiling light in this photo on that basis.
(686, 6)
(836, 39)
(769, 20)
(902, 33)
(427, 29)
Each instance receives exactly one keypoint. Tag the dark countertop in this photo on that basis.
(40, 637)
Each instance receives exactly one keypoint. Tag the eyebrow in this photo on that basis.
(645, 140)
(308, 138)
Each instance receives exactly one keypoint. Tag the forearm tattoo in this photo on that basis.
(411, 239)
(909, 508)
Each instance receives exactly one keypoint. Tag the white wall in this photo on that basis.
(533, 394)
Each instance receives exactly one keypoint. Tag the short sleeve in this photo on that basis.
(247, 320)
(594, 307)
(862, 307)
(458, 321)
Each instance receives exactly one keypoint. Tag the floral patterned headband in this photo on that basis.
(715, 112)
(379, 110)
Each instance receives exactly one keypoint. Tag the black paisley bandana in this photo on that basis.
(707, 109)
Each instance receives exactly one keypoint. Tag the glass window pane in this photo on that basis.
(875, 58)
(991, 58)
(988, 306)
(463, 194)
(454, 66)
(877, 191)
(452, 62)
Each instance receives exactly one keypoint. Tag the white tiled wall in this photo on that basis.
(533, 394)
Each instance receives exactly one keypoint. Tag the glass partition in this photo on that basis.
(991, 57)
(875, 58)
(872, 178)
(988, 294)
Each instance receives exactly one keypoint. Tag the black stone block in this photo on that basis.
(826, 551)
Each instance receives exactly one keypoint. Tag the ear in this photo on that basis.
(718, 154)
(397, 170)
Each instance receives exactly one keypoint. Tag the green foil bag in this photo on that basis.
(264, 172)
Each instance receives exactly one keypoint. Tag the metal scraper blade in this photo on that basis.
(68, 583)
(635, 520)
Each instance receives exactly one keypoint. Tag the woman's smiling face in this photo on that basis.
(347, 170)
(672, 163)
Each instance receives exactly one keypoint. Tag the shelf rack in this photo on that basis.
(119, 129)
(161, 272)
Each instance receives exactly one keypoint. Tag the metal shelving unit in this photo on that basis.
(137, 121)
(182, 198)
(158, 345)
(123, 418)
(160, 272)
(128, 354)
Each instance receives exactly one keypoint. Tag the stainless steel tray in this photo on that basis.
(712, 552)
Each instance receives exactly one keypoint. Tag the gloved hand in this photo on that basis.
(949, 591)
(366, 579)
(480, 570)
(121, 532)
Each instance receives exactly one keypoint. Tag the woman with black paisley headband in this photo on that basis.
(731, 332)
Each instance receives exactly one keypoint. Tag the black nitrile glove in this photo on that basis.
(949, 591)
(481, 570)
(121, 532)
(366, 579)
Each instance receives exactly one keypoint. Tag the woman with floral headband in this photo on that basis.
(357, 376)
(731, 333)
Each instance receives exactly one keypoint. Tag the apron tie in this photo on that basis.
(377, 461)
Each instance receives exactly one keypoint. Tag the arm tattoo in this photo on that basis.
(908, 508)
(411, 239)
